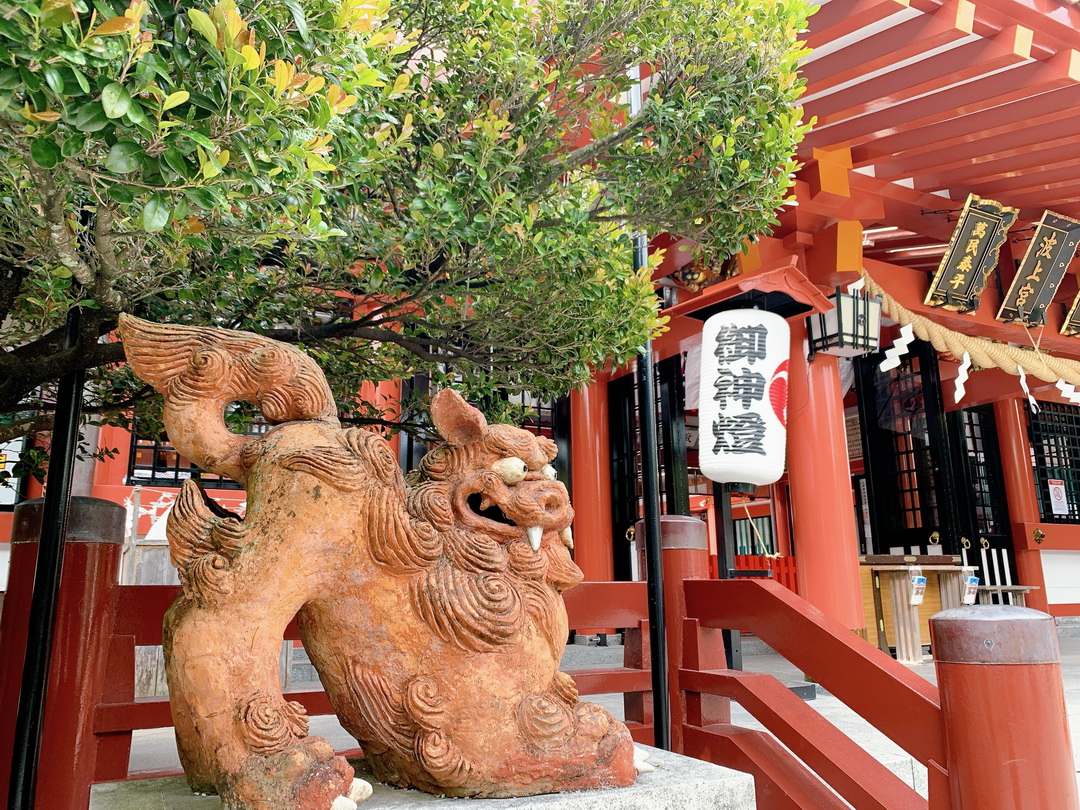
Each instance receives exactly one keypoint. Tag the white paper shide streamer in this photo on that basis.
(962, 378)
(1027, 391)
(899, 348)
(742, 406)
(1068, 390)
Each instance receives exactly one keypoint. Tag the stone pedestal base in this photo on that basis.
(678, 782)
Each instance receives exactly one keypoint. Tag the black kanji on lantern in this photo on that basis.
(741, 433)
(745, 387)
(740, 343)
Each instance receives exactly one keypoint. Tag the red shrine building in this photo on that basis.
(944, 174)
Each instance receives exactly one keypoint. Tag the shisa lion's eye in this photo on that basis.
(511, 470)
(548, 472)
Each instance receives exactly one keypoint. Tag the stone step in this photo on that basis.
(678, 783)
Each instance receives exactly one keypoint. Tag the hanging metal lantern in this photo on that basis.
(850, 329)
(742, 405)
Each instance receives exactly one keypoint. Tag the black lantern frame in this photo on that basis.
(850, 329)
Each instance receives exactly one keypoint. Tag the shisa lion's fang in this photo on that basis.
(432, 611)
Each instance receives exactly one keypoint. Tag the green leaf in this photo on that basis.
(9, 79)
(121, 193)
(123, 157)
(202, 198)
(81, 79)
(73, 145)
(175, 99)
(115, 99)
(200, 139)
(202, 23)
(155, 214)
(298, 18)
(91, 117)
(176, 162)
(45, 151)
(54, 79)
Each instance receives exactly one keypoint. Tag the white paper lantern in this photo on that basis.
(742, 405)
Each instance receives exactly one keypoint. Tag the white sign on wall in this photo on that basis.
(742, 403)
(9, 456)
(1059, 501)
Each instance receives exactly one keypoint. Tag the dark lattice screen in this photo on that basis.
(903, 414)
(155, 462)
(983, 471)
(1055, 450)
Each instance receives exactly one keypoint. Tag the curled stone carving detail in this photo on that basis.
(397, 541)
(474, 552)
(431, 502)
(525, 562)
(545, 722)
(202, 544)
(424, 704)
(441, 758)
(564, 688)
(472, 611)
(384, 725)
(270, 724)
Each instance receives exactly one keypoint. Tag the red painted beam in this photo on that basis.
(607, 604)
(956, 101)
(604, 681)
(906, 39)
(967, 61)
(155, 712)
(1031, 179)
(1004, 164)
(929, 141)
(787, 782)
(1046, 195)
(899, 703)
(1058, 20)
(837, 19)
(844, 765)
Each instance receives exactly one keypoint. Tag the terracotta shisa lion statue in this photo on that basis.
(432, 611)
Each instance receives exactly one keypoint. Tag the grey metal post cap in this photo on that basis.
(679, 531)
(90, 520)
(994, 634)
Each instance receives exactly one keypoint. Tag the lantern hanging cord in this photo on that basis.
(983, 353)
(771, 555)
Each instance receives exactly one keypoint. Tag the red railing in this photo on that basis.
(899, 703)
(783, 568)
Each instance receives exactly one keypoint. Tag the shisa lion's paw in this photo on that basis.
(305, 775)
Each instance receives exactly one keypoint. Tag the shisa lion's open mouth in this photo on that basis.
(512, 501)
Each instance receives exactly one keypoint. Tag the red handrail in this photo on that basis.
(902, 705)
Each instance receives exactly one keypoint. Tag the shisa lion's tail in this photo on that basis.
(200, 370)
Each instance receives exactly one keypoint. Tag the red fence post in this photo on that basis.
(684, 542)
(1003, 705)
(84, 621)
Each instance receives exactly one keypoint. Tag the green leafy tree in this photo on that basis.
(443, 186)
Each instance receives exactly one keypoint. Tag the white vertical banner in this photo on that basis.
(742, 404)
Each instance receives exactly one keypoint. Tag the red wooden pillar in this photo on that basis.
(590, 459)
(822, 506)
(1003, 707)
(84, 621)
(1012, 431)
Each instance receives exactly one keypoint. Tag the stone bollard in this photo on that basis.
(84, 621)
(684, 543)
(1003, 709)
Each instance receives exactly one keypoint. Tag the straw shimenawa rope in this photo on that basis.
(983, 353)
